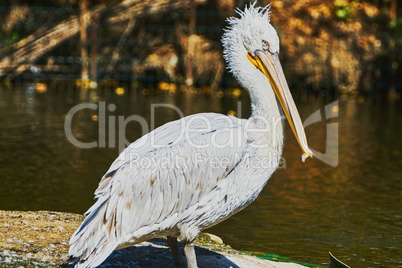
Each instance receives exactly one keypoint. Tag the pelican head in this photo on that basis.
(251, 48)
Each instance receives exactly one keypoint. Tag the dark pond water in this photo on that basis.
(353, 210)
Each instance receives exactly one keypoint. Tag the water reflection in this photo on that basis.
(306, 210)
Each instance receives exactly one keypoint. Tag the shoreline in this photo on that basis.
(40, 239)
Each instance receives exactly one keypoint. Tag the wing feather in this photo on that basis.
(134, 199)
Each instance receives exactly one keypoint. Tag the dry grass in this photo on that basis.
(35, 238)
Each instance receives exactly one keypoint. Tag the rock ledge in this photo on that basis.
(40, 239)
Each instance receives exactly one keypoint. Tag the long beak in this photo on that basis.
(270, 66)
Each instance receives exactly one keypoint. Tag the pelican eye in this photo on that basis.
(265, 45)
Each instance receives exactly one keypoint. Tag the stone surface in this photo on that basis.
(40, 239)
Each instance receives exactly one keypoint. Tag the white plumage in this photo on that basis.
(193, 173)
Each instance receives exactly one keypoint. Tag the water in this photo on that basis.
(306, 209)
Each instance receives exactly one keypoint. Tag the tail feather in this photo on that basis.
(91, 244)
(97, 256)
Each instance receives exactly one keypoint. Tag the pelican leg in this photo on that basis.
(190, 254)
(176, 252)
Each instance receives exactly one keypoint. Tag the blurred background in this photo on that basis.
(327, 47)
(57, 54)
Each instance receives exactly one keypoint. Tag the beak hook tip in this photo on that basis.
(307, 154)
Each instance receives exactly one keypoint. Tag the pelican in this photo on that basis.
(193, 173)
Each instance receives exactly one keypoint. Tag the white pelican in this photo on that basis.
(193, 173)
